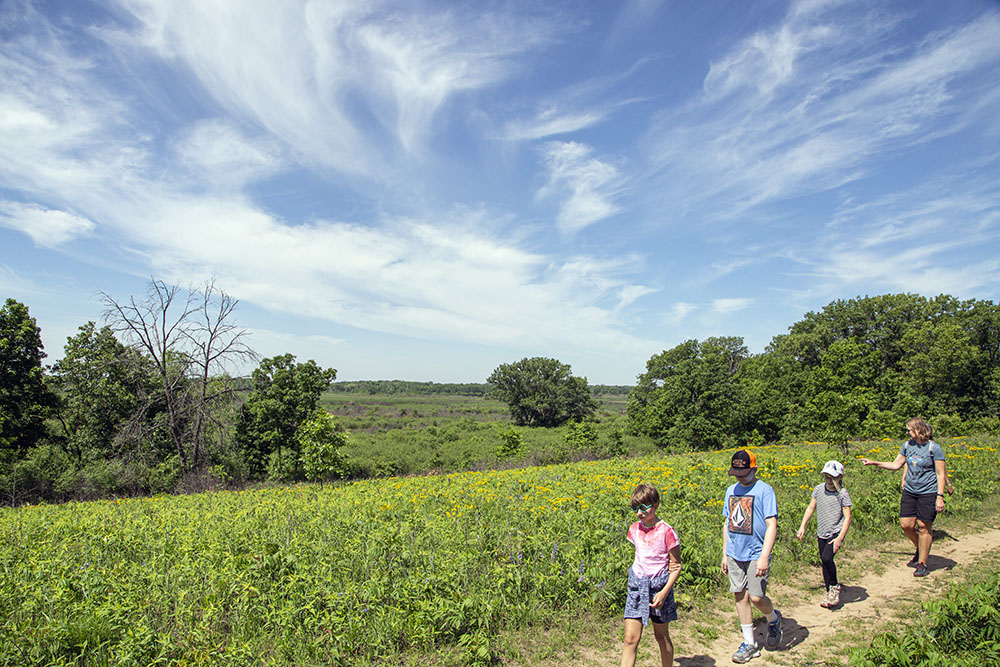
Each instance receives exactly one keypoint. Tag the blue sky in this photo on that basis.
(426, 190)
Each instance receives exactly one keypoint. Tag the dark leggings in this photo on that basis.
(826, 559)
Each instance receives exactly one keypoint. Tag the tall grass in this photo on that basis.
(360, 572)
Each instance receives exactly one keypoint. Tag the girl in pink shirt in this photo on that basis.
(651, 578)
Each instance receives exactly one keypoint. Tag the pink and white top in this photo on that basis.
(652, 547)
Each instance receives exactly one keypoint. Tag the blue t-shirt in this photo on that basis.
(921, 477)
(745, 509)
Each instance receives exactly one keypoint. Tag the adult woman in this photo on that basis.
(923, 488)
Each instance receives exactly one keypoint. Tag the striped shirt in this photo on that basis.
(830, 510)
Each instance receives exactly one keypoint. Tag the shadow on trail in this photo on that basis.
(935, 563)
(696, 661)
(794, 633)
(942, 535)
(851, 594)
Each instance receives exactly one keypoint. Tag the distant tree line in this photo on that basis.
(410, 388)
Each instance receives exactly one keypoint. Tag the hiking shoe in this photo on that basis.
(746, 652)
(826, 599)
(774, 633)
(915, 560)
(833, 596)
(921, 570)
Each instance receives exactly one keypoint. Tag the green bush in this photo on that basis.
(320, 440)
(961, 629)
(511, 444)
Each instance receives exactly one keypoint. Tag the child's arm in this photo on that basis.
(805, 518)
(838, 541)
(674, 570)
(764, 561)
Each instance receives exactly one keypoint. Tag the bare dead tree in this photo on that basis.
(218, 346)
(189, 336)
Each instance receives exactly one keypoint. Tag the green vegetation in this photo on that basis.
(360, 573)
(960, 629)
(383, 387)
(147, 403)
(858, 369)
(542, 392)
(283, 396)
(23, 397)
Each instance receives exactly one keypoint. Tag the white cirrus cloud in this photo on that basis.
(815, 103)
(730, 305)
(587, 186)
(46, 227)
(349, 85)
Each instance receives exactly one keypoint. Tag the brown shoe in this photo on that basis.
(833, 596)
(826, 599)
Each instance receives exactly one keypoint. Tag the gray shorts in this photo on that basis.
(743, 577)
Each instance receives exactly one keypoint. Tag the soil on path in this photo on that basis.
(865, 603)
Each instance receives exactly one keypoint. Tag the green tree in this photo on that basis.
(542, 392)
(283, 396)
(24, 398)
(945, 370)
(105, 391)
(690, 394)
(320, 441)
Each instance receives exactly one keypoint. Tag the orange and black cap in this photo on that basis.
(743, 460)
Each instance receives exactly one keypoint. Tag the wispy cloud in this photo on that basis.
(350, 85)
(808, 106)
(46, 227)
(902, 241)
(446, 274)
(586, 185)
(550, 122)
(679, 311)
(217, 154)
(730, 305)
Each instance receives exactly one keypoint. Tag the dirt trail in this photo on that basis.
(807, 624)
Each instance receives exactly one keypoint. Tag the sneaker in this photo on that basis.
(774, 633)
(826, 599)
(746, 652)
(833, 599)
(921, 570)
(915, 560)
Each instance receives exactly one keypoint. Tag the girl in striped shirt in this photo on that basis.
(832, 505)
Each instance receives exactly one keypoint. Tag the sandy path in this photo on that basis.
(807, 624)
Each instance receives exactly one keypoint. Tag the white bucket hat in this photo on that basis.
(833, 468)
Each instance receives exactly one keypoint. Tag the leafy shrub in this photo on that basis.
(511, 444)
(961, 629)
(581, 435)
(320, 441)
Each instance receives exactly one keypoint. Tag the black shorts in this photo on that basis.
(920, 505)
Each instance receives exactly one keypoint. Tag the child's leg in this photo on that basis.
(826, 560)
(633, 631)
(661, 631)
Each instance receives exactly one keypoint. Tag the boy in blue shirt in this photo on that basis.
(748, 534)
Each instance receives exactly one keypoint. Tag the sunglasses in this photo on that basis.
(641, 508)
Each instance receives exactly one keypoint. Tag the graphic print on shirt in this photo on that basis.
(741, 515)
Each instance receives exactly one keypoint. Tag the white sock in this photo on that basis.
(747, 633)
(773, 616)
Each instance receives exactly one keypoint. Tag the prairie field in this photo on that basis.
(403, 434)
(363, 572)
